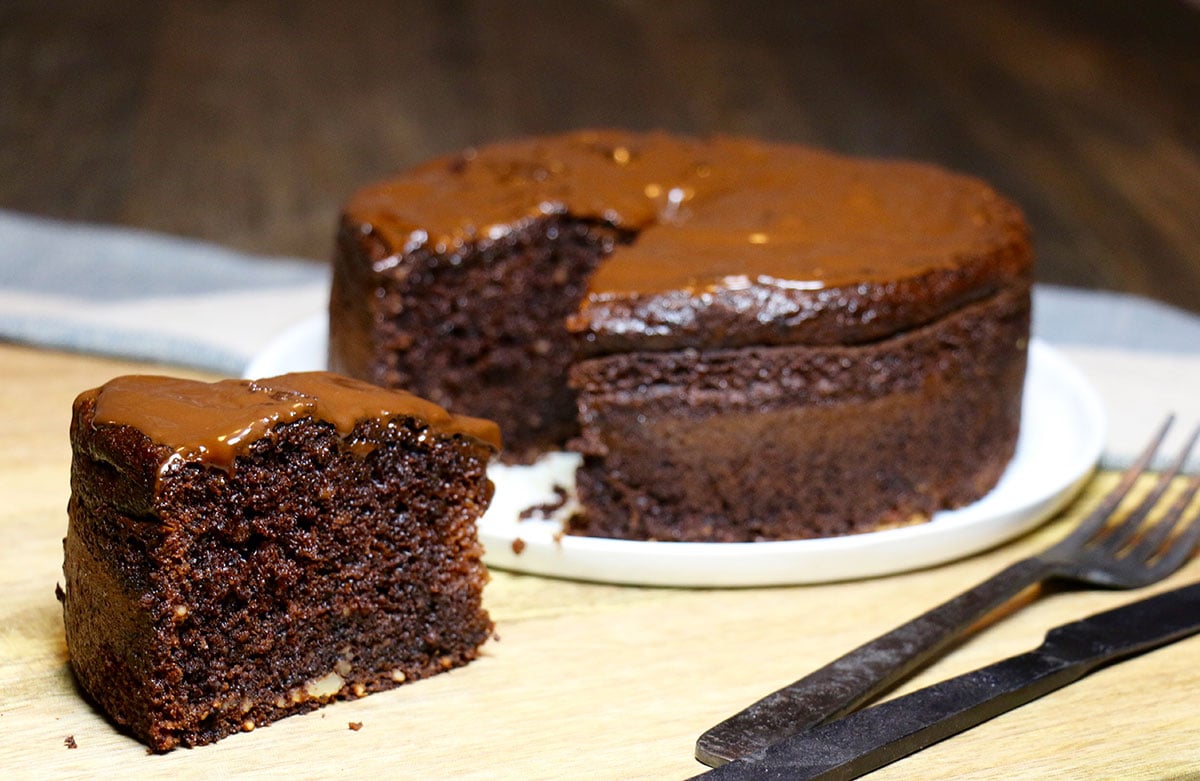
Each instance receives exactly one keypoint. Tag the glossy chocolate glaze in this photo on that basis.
(738, 242)
(215, 422)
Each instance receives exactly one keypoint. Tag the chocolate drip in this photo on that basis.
(737, 241)
(215, 422)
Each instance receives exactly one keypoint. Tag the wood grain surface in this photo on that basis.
(585, 681)
(248, 123)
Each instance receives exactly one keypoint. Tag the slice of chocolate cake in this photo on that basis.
(744, 340)
(241, 551)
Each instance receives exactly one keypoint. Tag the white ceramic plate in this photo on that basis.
(1062, 435)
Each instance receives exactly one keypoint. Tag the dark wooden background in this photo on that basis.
(247, 123)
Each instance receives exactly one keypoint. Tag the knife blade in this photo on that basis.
(871, 738)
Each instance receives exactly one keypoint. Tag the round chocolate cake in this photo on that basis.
(744, 340)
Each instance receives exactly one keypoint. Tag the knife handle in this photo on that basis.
(847, 682)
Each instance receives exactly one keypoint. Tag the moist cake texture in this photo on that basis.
(241, 551)
(744, 340)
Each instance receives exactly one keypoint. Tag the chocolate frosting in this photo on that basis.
(738, 242)
(215, 422)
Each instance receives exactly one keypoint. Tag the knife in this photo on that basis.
(871, 738)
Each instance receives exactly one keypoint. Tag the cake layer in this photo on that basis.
(794, 442)
(485, 334)
(329, 554)
(738, 242)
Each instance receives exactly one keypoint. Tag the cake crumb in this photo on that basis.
(518, 545)
(70, 742)
(355, 726)
(548, 509)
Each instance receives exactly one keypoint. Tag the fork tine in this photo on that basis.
(1099, 516)
(1128, 528)
(1157, 535)
(1181, 548)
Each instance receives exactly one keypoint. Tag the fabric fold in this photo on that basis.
(145, 296)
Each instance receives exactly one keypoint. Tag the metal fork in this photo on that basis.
(1119, 556)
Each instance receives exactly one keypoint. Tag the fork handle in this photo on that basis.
(845, 683)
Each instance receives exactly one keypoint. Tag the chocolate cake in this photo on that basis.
(242, 551)
(744, 340)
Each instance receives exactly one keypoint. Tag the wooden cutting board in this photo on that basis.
(584, 680)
